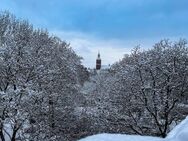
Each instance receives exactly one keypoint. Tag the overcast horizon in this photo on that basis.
(113, 27)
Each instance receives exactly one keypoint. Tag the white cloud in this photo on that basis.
(88, 47)
(111, 50)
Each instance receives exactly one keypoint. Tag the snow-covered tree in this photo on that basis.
(150, 87)
(40, 78)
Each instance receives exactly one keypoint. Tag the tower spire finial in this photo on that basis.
(98, 55)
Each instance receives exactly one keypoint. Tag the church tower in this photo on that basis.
(98, 62)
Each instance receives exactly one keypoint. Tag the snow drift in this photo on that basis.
(179, 133)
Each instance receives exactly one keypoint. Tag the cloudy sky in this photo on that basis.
(112, 27)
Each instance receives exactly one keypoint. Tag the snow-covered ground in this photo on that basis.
(179, 133)
(119, 137)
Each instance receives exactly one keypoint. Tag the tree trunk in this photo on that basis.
(14, 135)
(15, 129)
(1, 134)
